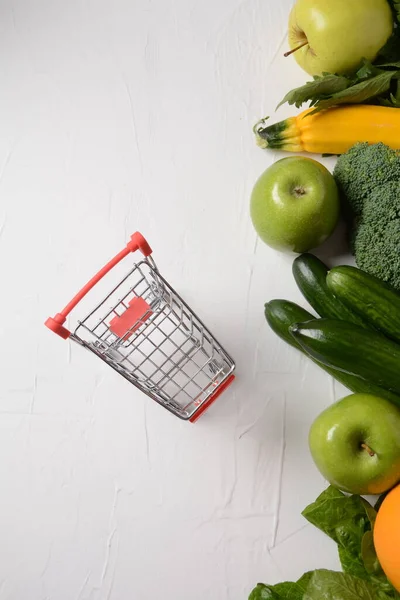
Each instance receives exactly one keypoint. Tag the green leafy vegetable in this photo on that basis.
(368, 554)
(349, 521)
(360, 92)
(345, 520)
(395, 98)
(352, 562)
(282, 591)
(368, 70)
(371, 512)
(330, 585)
(374, 83)
(320, 87)
(395, 4)
(391, 65)
(333, 511)
(392, 101)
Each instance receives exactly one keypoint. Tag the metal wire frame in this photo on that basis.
(168, 379)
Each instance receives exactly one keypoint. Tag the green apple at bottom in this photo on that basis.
(355, 443)
(295, 204)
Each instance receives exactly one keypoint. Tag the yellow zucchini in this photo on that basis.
(333, 130)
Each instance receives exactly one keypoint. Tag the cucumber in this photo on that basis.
(310, 275)
(281, 314)
(351, 349)
(376, 302)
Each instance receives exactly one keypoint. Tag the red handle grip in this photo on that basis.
(137, 242)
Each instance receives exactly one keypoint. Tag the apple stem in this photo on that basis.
(368, 449)
(295, 49)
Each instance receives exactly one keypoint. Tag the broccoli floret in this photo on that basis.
(383, 205)
(376, 234)
(361, 170)
(368, 177)
(378, 251)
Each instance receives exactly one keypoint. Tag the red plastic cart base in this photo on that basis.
(212, 398)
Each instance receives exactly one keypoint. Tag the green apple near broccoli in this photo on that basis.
(333, 36)
(295, 204)
(355, 443)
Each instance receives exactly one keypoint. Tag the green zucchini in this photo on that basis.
(310, 275)
(281, 314)
(351, 349)
(376, 302)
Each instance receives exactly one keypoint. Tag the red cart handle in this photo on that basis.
(137, 242)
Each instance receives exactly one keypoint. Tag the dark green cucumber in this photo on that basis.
(376, 302)
(310, 275)
(282, 314)
(351, 349)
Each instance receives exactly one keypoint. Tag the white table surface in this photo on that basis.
(118, 115)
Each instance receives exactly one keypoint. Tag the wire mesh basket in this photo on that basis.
(149, 335)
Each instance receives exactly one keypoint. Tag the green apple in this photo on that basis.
(295, 204)
(355, 444)
(335, 35)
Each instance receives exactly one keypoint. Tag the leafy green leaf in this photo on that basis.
(350, 532)
(360, 92)
(389, 65)
(305, 580)
(282, 591)
(368, 554)
(370, 82)
(352, 562)
(370, 511)
(321, 87)
(384, 590)
(345, 519)
(395, 4)
(332, 509)
(397, 93)
(386, 102)
(349, 520)
(289, 591)
(367, 70)
(349, 536)
(394, 98)
(330, 585)
(263, 592)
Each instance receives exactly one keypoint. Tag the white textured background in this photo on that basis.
(117, 115)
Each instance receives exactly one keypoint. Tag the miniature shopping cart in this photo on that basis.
(149, 335)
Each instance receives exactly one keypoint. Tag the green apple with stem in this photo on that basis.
(295, 204)
(333, 36)
(355, 443)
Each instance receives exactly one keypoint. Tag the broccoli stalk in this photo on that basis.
(368, 178)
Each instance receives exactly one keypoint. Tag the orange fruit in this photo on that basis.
(387, 536)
